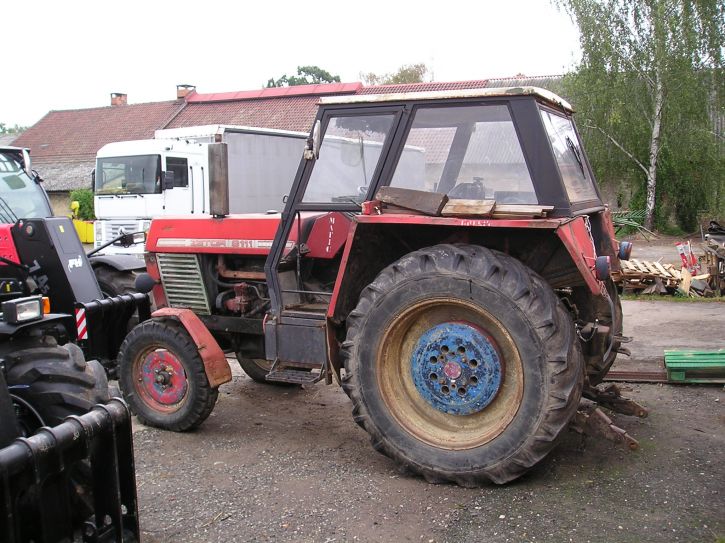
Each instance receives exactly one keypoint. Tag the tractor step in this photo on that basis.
(289, 375)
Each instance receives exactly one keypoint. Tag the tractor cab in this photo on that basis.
(407, 170)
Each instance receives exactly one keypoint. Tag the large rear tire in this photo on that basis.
(49, 383)
(55, 380)
(162, 377)
(462, 365)
(114, 282)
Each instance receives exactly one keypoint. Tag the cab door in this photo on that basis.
(177, 200)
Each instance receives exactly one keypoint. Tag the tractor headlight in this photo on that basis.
(23, 309)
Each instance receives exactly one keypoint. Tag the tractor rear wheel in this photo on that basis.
(162, 377)
(462, 365)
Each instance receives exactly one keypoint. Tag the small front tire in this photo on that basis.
(162, 377)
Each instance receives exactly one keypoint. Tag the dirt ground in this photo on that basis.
(289, 464)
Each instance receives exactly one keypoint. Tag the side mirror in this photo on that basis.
(93, 180)
(168, 180)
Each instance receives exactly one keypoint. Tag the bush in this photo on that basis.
(84, 197)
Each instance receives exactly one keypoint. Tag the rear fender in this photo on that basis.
(216, 366)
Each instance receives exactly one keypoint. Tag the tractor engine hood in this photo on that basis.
(249, 234)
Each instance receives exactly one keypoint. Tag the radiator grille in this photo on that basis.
(183, 283)
(112, 227)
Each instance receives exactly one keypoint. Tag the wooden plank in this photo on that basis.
(662, 270)
(686, 280)
(428, 203)
(515, 211)
(458, 206)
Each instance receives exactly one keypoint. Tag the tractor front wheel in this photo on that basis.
(462, 365)
(162, 377)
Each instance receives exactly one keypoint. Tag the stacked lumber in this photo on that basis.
(644, 277)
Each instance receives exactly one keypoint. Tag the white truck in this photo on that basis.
(135, 181)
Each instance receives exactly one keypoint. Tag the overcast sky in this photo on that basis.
(73, 54)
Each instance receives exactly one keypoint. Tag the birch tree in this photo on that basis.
(650, 78)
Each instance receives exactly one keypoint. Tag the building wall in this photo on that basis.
(60, 202)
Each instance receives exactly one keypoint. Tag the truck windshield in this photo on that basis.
(20, 196)
(569, 157)
(129, 175)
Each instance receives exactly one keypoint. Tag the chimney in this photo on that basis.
(119, 99)
(182, 91)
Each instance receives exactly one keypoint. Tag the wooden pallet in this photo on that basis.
(647, 277)
(695, 366)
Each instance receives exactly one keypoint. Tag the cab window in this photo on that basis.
(470, 152)
(180, 167)
(349, 156)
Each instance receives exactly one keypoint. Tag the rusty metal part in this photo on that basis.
(225, 272)
(656, 376)
(611, 397)
(596, 423)
(216, 366)
(244, 297)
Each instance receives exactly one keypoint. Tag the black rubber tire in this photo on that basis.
(60, 382)
(257, 371)
(199, 399)
(114, 282)
(526, 307)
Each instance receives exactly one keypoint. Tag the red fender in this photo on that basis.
(215, 362)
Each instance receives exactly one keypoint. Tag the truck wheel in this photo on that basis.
(54, 381)
(114, 282)
(257, 370)
(162, 377)
(462, 365)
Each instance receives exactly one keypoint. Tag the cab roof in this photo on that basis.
(537, 92)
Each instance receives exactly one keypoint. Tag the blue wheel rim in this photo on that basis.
(457, 368)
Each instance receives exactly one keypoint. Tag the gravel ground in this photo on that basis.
(275, 464)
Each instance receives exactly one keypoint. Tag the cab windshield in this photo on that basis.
(129, 175)
(20, 196)
(569, 157)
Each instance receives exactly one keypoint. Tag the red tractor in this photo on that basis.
(443, 256)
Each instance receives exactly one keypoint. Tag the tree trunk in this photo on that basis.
(654, 150)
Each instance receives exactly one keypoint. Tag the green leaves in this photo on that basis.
(637, 54)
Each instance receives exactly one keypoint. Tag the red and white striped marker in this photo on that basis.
(81, 323)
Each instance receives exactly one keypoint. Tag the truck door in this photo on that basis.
(178, 200)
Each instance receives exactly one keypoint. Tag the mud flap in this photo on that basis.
(38, 492)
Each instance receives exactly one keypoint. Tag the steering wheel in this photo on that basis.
(473, 190)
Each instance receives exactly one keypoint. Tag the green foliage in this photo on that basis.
(408, 73)
(628, 48)
(15, 129)
(84, 197)
(306, 75)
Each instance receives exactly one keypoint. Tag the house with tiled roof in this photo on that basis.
(63, 144)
